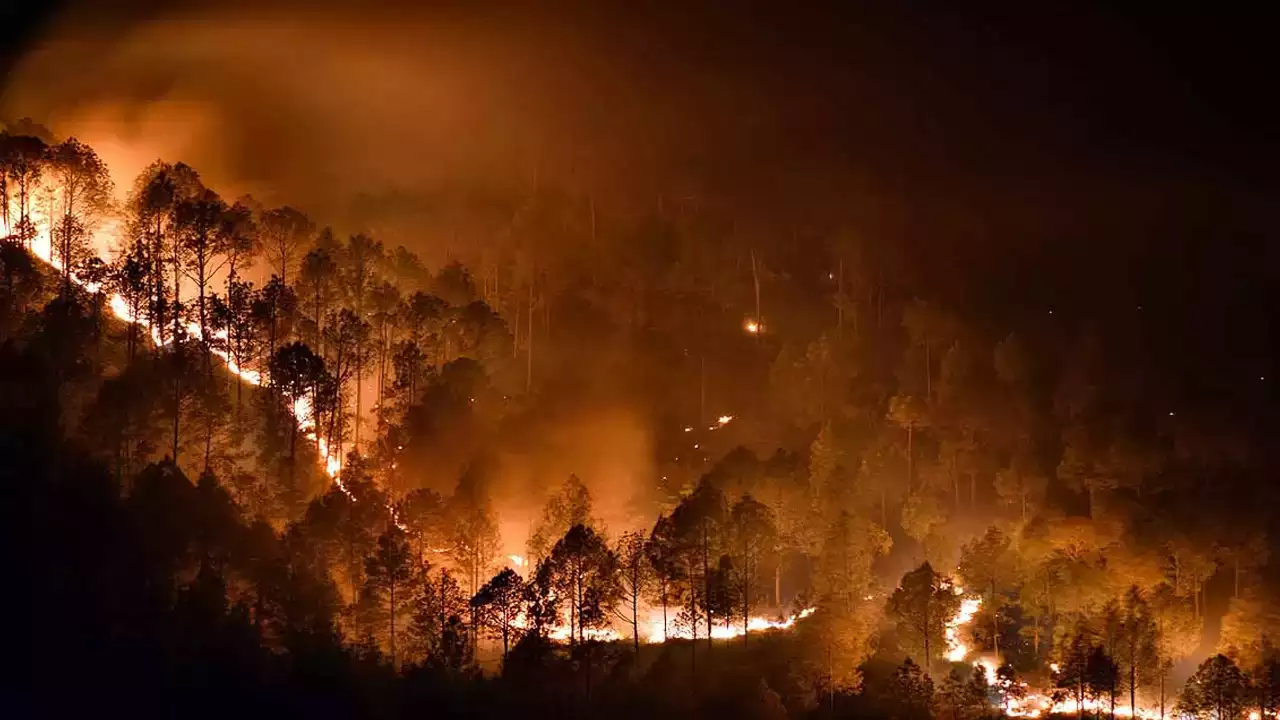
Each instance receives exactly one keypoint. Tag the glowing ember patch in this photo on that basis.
(751, 326)
(720, 632)
(957, 650)
(517, 560)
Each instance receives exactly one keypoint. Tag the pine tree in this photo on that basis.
(1217, 691)
(387, 574)
(499, 605)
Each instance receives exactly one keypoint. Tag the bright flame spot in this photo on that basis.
(751, 326)
(957, 650)
(655, 632)
(517, 560)
(42, 248)
(988, 667)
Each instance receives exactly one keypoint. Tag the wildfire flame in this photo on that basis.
(957, 650)
(304, 415)
(1032, 704)
(42, 247)
(656, 634)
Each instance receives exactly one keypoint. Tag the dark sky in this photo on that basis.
(1070, 83)
(1066, 154)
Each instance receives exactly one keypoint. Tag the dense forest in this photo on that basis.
(255, 464)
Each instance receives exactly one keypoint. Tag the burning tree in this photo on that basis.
(922, 605)
(987, 565)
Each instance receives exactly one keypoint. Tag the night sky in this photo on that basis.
(1079, 158)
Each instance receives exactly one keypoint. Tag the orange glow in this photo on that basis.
(42, 248)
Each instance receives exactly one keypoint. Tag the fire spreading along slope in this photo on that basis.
(654, 628)
(331, 457)
(1033, 703)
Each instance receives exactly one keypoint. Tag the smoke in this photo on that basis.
(608, 449)
(310, 106)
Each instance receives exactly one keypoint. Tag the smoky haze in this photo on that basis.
(974, 142)
(992, 144)
(362, 117)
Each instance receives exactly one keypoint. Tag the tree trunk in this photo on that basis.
(702, 390)
(444, 576)
(208, 441)
(177, 408)
(911, 460)
(635, 619)
(382, 363)
(840, 300)
(1235, 593)
(293, 444)
(706, 579)
(528, 370)
(663, 587)
(319, 323)
(355, 442)
(746, 596)
(955, 481)
(1133, 686)
(995, 619)
(755, 282)
(928, 656)
(831, 680)
(928, 372)
(693, 624)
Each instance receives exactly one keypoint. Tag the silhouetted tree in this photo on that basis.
(387, 574)
(1217, 691)
(499, 605)
(921, 605)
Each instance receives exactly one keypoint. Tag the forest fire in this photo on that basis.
(355, 362)
(957, 649)
(656, 633)
(41, 246)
